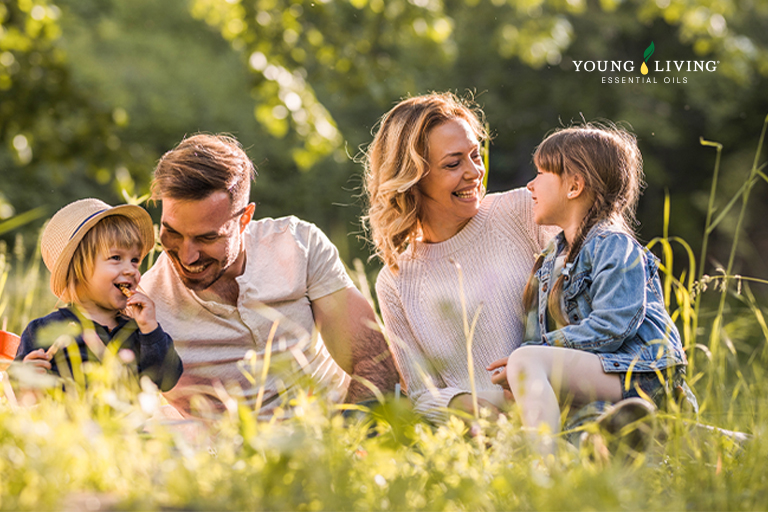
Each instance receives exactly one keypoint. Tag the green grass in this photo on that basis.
(96, 447)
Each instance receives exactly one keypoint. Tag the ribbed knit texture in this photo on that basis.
(422, 309)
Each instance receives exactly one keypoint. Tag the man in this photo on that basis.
(238, 295)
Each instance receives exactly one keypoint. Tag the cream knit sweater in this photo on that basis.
(422, 308)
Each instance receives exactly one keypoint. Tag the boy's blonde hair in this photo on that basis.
(114, 231)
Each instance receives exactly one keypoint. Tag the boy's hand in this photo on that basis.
(142, 309)
(499, 369)
(39, 359)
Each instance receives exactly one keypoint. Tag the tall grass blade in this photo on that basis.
(23, 218)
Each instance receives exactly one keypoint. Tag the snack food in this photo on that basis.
(58, 344)
(126, 289)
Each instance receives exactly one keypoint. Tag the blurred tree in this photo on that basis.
(94, 91)
(51, 131)
(357, 57)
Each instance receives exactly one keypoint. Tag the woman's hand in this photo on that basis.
(39, 359)
(499, 376)
(463, 402)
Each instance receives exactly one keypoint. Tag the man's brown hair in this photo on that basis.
(202, 164)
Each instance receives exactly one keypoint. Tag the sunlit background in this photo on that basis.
(92, 92)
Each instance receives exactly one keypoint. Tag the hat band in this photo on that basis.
(86, 220)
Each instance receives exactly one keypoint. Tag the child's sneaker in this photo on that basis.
(629, 424)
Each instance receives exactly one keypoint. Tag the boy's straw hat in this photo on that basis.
(67, 228)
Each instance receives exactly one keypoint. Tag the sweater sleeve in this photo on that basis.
(514, 218)
(158, 359)
(27, 343)
(425, 386)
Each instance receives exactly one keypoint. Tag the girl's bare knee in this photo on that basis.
(522, 361)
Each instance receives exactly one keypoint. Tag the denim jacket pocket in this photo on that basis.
(576, 297)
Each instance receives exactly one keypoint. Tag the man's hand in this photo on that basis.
(348, 327)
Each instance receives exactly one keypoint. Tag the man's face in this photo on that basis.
(203, 238)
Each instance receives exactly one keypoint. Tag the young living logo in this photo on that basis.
(628, 66)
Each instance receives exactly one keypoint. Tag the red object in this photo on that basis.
(9, 342)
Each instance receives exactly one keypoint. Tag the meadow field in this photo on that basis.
(96, 447)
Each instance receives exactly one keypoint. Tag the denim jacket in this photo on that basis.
(613, 300)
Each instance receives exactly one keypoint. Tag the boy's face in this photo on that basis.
(100, 292)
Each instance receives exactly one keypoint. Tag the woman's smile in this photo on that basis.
(453, 188)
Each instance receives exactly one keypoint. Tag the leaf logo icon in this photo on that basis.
(648, 52)
(646, 56)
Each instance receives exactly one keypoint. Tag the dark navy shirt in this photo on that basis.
(155, 355)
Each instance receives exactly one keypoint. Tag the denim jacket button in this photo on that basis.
(541, 318)
(616, 365)
(544, 288)
(575, 317)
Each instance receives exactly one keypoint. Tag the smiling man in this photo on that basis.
(228, 288)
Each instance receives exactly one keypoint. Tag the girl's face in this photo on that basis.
(100, 295)
(452, 189)
(550, 199)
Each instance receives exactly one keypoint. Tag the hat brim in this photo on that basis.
(135, 213)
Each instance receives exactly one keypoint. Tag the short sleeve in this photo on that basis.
(325, 270)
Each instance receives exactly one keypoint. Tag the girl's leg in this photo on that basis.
(539, 375)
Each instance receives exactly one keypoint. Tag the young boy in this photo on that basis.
(93, 251)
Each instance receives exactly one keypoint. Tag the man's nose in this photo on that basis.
(188, 252)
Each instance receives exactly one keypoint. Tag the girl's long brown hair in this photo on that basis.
(606, 156)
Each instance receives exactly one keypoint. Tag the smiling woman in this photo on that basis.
(452, 254)
(453, 188)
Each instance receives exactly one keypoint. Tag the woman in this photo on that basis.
(447, 247)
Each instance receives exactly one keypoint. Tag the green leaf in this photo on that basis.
(648, 52)
(22, 219)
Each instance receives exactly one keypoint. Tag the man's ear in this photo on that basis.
(575, 186)
(247, 216)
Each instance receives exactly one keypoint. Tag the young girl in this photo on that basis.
(597, 327)
(93, 251)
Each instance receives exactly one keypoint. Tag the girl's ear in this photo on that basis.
(575, 184)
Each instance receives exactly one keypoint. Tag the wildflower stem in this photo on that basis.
(745, 198)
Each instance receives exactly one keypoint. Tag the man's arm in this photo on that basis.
(348, 326)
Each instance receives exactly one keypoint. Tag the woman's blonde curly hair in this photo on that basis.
(397, 160)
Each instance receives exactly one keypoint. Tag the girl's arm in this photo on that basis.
(423, 382)
(617, 290)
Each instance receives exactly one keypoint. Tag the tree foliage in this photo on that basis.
(51, 130)
(100, 89)
(357, 57)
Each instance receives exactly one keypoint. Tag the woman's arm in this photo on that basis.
(423, 382)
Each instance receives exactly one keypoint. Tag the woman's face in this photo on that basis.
(452, 189)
